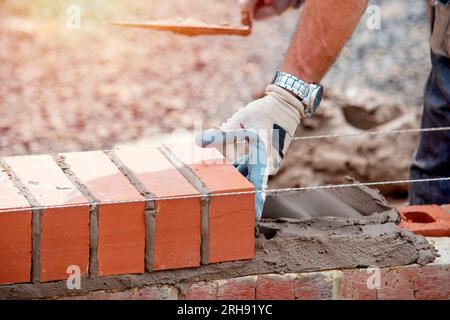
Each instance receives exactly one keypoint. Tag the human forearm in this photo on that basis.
(324, 28)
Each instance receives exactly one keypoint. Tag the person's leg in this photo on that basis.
(432, 157)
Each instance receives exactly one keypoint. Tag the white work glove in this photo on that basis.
(267, 125)
(261, 9)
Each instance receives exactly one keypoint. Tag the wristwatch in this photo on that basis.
(310, 94)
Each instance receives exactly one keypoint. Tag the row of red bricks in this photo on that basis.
(431, 282)
(106, 213)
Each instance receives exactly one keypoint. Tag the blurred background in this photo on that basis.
(64, 89)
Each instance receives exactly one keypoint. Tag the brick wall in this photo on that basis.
(109, 213)
(412, 283)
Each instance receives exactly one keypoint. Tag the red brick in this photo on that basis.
(426, 220)
(121, 226)
(231, 218)
(346, 285)
(243, 288)
(396, 285)
(177, 222)
(275, 287)
(354, 286)
(64, 231)
(314, 286)
(408, 283)
(432, 283)
(15, 234)
(202, 291)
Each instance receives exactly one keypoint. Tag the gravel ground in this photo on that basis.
(68, 90)
(392, 61)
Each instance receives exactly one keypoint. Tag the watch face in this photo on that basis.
(317, 98)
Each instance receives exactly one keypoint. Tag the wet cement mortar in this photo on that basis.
(282, 246)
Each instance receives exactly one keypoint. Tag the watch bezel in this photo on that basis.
(316, 98)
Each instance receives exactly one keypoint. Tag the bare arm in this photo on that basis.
(324, 28)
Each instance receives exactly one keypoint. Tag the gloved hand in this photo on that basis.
(261, 9)
(267, 125)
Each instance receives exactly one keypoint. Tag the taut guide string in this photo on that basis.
(371, 133)
(283, 190)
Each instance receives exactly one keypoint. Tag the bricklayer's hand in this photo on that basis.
(262, 9)
(267, 125)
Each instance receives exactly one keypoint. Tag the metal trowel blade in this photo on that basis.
(187, 27)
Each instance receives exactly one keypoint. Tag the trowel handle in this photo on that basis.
(247, 13)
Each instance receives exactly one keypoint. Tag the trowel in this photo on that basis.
(352, 202)
(192, 27)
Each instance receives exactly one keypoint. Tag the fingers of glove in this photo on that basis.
(253, 167)
(242, 165)
(218, 138)
(257, 175)
(252, 174)
(257, 178)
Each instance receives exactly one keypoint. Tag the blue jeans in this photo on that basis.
(432, 157)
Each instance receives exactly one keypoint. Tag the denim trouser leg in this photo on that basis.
(432, 157)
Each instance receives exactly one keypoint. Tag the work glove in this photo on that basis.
(261, 9)
(257, 137)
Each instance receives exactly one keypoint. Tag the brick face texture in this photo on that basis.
(201, 291)
(315, 286)
(275, 287)
(432, 283)
(405, 283)
(228, 240)
(176, 237)
(64, 242)
(237, 289)
(121, 226)
(426, 220)
(64, 232)
(15, 234)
